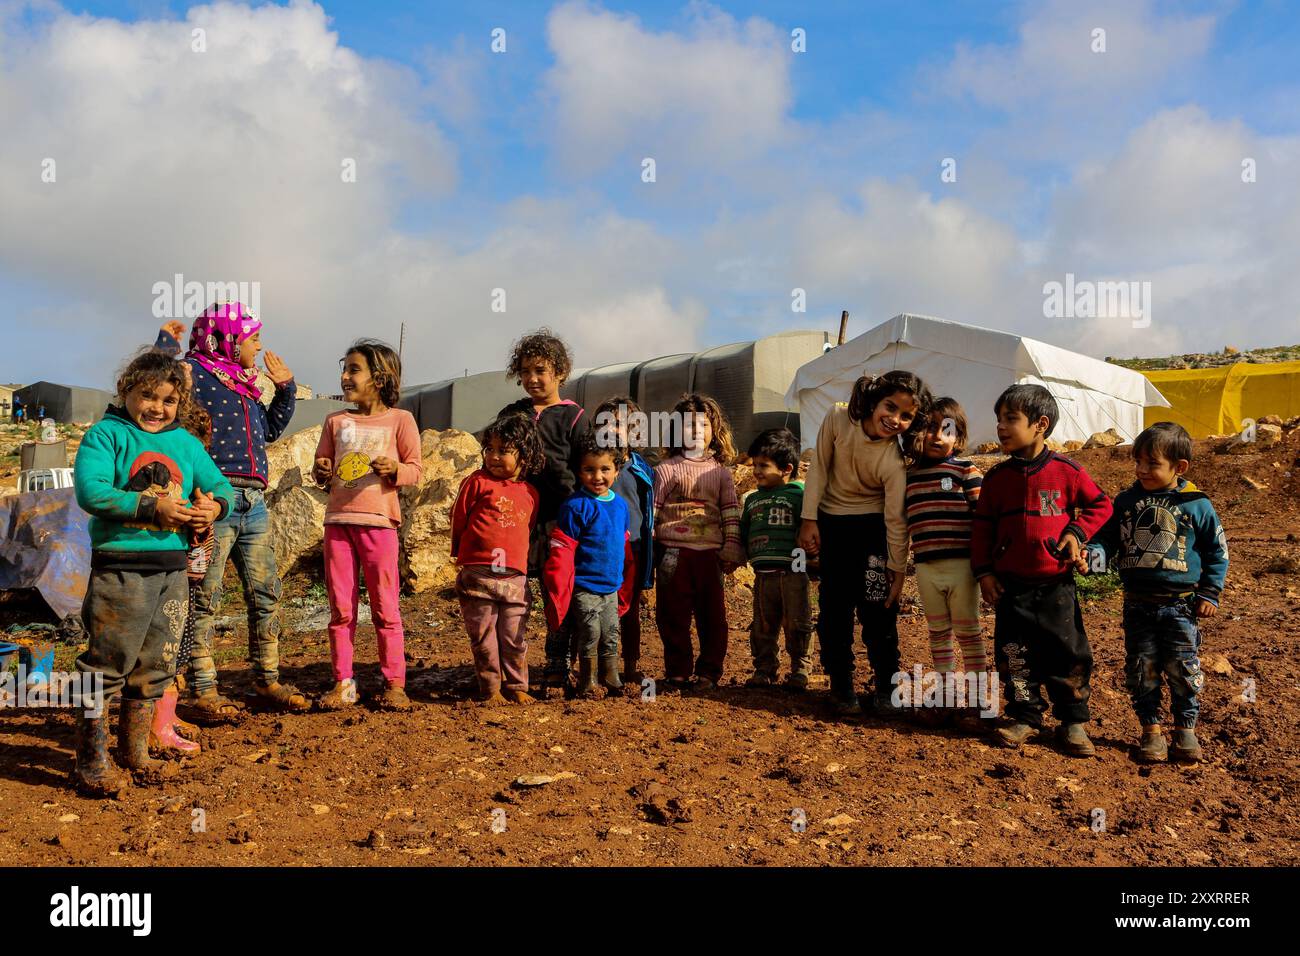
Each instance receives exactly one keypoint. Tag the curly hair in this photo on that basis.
(870, 390)
(542, 343)
(518, 431)
(384, 365)
(155, 367)
(721, 447)
(198, 423)
(590, 442)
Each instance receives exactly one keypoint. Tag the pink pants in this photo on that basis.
(349, 547)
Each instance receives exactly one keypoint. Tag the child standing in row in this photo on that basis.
(697, 539)
(853, 519)
(589, 567)
(1025, 544)
(1168, 545)
(491, 522)
(635, 485)
(942, 489)
(363, 457)
(145, 483)
(540, 362)
(768, 523)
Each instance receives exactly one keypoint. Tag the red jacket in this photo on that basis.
(1025, 504)
(491, 521)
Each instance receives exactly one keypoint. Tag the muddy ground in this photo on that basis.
(716, 780)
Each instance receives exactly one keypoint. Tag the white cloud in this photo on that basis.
(716, 94)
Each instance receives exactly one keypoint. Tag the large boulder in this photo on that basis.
(297, 525)
(449, 458)
(289, 460)
(1107, 439)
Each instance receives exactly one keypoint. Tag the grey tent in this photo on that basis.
(467, 403)
(65, 403)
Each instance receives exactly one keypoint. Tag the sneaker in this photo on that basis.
(796, 682)
(759, 680)
(394, 697)
(343, 694)
(1153, 748)
(1015, 734)
(1074, 740)
(1187, 749)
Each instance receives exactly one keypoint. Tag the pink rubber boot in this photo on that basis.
(162, 733)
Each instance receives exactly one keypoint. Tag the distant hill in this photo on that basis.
(1229, 355)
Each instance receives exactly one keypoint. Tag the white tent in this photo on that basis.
(974, 365)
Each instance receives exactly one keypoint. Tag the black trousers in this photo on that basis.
(1039, 643)
(854, 551)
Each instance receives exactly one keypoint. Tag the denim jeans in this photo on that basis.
(1163, 639)
(245, 535)
(593, 619)
(135, 621)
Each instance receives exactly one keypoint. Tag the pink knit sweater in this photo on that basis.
(696, 507)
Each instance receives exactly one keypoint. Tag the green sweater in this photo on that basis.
(769, 525)
(121, 472)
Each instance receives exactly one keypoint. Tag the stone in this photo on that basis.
(290, 461)
(297, 526)
(1072, 445)
(1216, 663)
(1107, 439)
(988, 448)
(449, 457)
(1267, 434)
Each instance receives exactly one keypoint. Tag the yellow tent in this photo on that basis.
(1214, 401)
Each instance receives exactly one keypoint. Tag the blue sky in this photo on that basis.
(522, 171)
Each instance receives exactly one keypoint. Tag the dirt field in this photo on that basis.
(714, 781)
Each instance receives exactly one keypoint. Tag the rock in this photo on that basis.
(541, 779)
(1107, 439)
(1230, 350)
(988, 448)
(297, 525)
(1072, 445)
(1054, 445)
(1216, 663)
(289, 461)
(1267, 434)
(376, 840)
(744, 575)
(840, 820)
(1257, 485)
(1269, 420)
(449, 457)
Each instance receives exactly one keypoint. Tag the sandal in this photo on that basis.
(210, 708)
(279, 696)
(343, 694)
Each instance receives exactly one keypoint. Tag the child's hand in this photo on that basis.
(1070, 550)
(175, 330)
(991, 588)
(810, 538)
(895, 587)
(322, 471)
(204, 511)
(383, 467)
(173, 515)
(276, 369)
(1205, 608)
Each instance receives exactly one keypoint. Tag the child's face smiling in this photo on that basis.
(538, 378)
(249, 348)
(153, 406)
(767, 474)
(501, 460)
(892, 415)
(1157, 473)
(597, 473)
(356, 381)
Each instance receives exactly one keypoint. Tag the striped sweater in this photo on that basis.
(941, 498)
(696, 507)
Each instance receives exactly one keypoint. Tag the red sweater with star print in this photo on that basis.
(1024, 505)
(491, 521)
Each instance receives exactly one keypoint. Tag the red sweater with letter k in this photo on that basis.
(1023, 506)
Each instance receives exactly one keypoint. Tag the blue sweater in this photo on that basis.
(635, 484)
(241, 427)
(599, 525)
(1165, 543)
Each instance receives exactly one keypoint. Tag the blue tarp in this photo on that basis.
(46, 546)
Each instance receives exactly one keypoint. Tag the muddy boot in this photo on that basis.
(1153, 747)
(394, 697)
(1014, 734)
(133, 725)
(586, 677)
(183, 727)
(609, 675)
(555, 676)
(94, 774)
(1187, 749)
(342, 694)
(162, 734)
(631, 675)
(1074, 740)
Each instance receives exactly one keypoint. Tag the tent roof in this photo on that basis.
(974, 344)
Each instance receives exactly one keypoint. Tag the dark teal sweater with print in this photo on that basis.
(1165, 543)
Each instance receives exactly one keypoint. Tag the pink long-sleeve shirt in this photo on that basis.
(352, 442)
